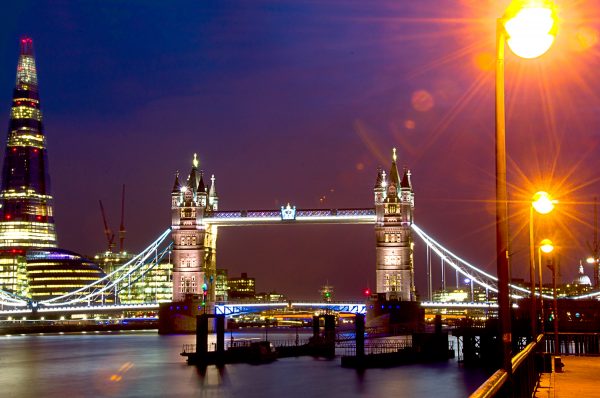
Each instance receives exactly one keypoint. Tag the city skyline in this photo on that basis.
(303, 108)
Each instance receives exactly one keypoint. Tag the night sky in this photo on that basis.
(300, 102)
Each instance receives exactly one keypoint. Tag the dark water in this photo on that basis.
(143, 364)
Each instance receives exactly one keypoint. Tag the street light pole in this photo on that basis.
(533, 311)
(552, 265)
(543, 325)
(502, 262)
(542, 203)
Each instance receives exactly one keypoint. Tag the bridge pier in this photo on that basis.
(179, 317)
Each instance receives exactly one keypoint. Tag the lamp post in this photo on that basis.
(543, 204)
(529, 28)
(593, 260)
(547, 247)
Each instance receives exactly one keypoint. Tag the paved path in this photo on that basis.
(580, 379)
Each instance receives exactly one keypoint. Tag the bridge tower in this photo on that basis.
(194, 242)
(394, 205)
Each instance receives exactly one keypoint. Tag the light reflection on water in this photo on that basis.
(144, 364)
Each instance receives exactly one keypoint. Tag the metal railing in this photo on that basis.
(241, 343)
(524, 375)
(380, 347)
(188, 348)
(579, 344)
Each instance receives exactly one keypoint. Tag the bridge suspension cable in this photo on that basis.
(470, 271)
(119, 279)
(11, 299)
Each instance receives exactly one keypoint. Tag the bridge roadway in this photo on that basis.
(292, 216)
(232, 309)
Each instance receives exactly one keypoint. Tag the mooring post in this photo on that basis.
(220, 337)
(330, 328)
(201, 334)
(316, 327)
(359, 323)
(438, 324)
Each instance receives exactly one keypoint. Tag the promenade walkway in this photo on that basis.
(580, 379)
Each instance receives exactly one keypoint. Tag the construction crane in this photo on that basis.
(110, 236)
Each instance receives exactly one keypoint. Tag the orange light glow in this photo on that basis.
(422, 101)
(542, 202)
(531, 29)
(546, 246)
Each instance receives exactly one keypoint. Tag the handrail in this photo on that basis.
(521, 355)
(492, 385)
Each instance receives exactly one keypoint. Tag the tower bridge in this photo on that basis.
(195, 219)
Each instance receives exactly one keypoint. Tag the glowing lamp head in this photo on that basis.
(590, 260)
(530, 27)
(546, 246)
(542, 202)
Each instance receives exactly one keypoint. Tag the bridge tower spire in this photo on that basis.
(394, 204)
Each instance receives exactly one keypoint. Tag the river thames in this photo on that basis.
(144, 364)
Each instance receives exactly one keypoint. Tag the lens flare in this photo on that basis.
(422, 101)
(546, 246)
(542, 203)
(531, 31)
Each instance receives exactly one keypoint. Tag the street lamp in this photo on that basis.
(595, 261)
(526, 26)
(542, 203)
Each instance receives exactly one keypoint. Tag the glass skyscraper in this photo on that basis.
(26, 218)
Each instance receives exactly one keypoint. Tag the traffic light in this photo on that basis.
(367, 292)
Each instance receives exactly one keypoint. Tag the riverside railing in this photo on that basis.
(574, 343)
(524, 378)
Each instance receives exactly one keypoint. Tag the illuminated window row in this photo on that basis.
(66, 278)
(69, 286)
(25, 112)
(37, 232)
(29, 193)
(27, 141)
(26, 72)
(26, 224)
(58, 271)
(25, 244)
(26, 99)
(26, 135)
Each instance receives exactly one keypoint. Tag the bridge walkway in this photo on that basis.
(578, 379)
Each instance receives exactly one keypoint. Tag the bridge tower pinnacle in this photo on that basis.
(394, 205)
(194, 242)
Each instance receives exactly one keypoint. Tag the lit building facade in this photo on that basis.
(13, 272)
(394, 205)
(110, 261)
(221, 293)
(55, 272)
(242, 288)
(154, 286)
(26, 216)
(194, 243)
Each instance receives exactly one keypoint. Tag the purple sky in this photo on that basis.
(294, 101)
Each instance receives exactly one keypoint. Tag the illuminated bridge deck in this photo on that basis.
(289, 215)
